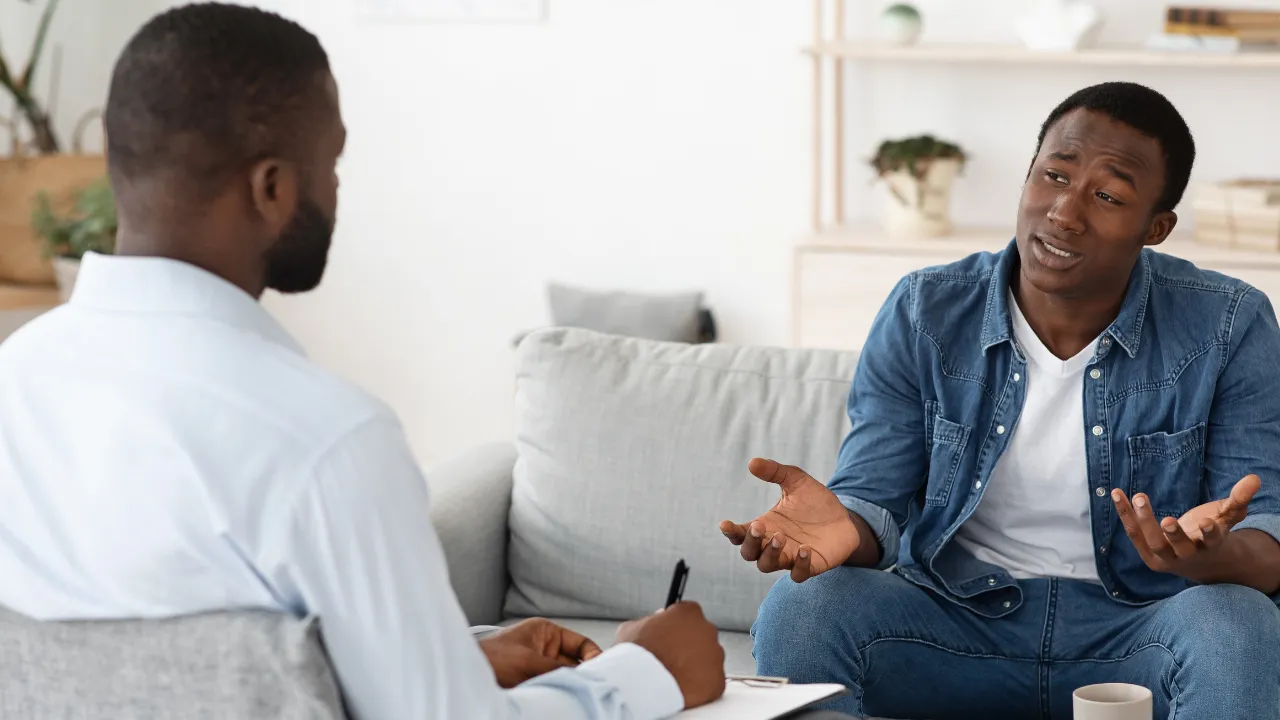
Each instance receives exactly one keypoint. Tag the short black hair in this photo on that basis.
(204, 90)
(1148, 112)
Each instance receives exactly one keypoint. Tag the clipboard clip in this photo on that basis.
(758, 681)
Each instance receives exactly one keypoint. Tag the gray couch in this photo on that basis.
(627, 453)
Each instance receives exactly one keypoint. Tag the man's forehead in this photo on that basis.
(1092, 131)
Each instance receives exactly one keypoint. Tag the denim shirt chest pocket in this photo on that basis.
(946, 441)
(1168, 468)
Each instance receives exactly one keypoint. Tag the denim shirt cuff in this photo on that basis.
(882, 524)
(1269, 524)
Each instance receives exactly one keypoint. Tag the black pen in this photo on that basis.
(678, 578)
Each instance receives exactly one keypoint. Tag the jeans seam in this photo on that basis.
(1173, 678)
(936, 646)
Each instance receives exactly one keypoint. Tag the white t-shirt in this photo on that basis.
(1033, 520)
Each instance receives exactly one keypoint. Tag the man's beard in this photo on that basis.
(296, 262)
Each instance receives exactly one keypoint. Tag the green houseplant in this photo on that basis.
(36, 161)
(90, 226)
(919, 172)
(20, 86)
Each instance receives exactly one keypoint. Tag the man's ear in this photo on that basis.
(1162, 223)
(273, 188)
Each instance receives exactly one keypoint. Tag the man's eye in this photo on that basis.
(1107, 198)
(1055, 177)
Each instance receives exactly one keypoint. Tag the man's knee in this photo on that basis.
(800, 618)
(1232, 620)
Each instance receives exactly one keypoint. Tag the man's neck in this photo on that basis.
(192, 251)
(1066, 325)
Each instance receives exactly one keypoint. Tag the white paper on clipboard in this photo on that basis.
(744, 702)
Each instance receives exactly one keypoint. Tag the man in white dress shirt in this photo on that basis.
(167, 449)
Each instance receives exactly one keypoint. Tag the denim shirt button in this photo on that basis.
(999, 429)
(1115, 593)
(991, 581)
(1095, 373)
(1102, 549)
(1016, 377)
(1008, 604)
(1100, 492)
(1097, 430)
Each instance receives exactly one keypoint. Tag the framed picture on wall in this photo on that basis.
(453, 11)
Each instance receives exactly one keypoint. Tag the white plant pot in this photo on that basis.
(921, 208)
(898, 28)
(65, 271)
(1060, 26)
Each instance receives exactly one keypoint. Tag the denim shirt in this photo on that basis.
(1181, 401)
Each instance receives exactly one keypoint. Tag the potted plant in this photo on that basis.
(90, 226)
(919, 172)
(36, 161)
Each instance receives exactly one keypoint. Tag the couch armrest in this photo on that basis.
(470, 499)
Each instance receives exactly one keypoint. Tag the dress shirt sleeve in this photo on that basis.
(883, 461)
(1243, 434)
(358, 550)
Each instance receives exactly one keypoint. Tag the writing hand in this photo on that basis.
(534, 647)
(1191, 545)
(808, 531)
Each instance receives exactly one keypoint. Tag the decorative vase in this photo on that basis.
(65, 270)
(1060, 26)
(921, 208)
(899, 24)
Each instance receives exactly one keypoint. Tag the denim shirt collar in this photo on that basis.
(1126, 329)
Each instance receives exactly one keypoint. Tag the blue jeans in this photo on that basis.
(905, 652)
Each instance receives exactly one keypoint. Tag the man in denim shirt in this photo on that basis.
(1069, 449)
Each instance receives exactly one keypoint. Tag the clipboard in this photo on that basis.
(763, 698)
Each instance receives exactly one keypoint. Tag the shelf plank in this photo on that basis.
(23, 297)
(981, 53)
(968, 240)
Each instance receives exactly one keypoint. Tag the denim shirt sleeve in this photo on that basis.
(1244, 423)
(882, 462)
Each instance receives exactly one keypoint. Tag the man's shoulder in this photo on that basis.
(1209, 300)
(953, 288)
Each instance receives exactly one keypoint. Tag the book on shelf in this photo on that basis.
(1220, 30)
(1242, 213)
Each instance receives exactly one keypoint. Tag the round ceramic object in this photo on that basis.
(900, 24)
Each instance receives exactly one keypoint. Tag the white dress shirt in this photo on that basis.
(166, 448)
(1033, 520)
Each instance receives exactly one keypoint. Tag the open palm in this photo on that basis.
(808, 531)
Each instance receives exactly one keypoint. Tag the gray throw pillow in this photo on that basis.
(669, 317)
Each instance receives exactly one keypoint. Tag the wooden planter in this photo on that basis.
(22, 259)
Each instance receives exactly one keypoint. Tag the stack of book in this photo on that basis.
(1218, 30)
(1239, 213)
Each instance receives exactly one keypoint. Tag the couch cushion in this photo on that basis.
(737, 645)
(630, 453)
(243, 664)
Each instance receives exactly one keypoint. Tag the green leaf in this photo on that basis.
(42, 34)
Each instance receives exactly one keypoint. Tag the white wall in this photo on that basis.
(642, 144)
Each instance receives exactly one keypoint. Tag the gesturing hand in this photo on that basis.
(534, 647)
(1189, 546)
(807, 532)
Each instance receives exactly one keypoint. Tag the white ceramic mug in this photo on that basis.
(1112, 701)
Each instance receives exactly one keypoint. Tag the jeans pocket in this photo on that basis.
(1168, 468)
(947, 444)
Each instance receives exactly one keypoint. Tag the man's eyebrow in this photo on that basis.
(1064, 155)
(1122, 176)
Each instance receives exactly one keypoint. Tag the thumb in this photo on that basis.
(789, 477)
(1236, 506)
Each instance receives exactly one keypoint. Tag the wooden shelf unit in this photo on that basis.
(1012, 54)
(26, 297)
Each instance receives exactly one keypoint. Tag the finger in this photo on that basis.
(1157, 540)
(753, 543)
(1211, 533)
(771, 559)
(789, 477)
(576, 646)
(1236, 505)
(1124, 509)
(735, 532)
(803, 568)
(1182, 545)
